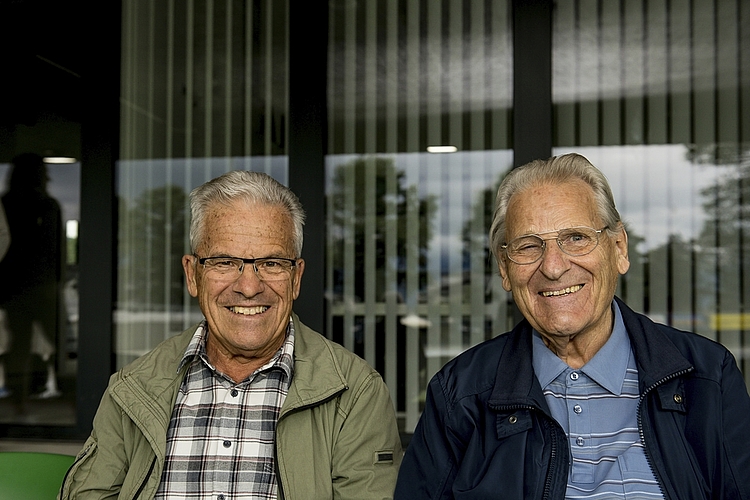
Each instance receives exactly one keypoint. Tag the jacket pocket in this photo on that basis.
(494, 466)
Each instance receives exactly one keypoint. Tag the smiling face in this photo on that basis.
(564, 298)
(247, 318)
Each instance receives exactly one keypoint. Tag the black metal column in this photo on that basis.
(532, 80)
(308, 37)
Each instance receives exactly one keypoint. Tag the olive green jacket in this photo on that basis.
(336, 435)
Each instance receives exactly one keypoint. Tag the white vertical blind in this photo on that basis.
(410, 280)
(203, 92)
(652, 91)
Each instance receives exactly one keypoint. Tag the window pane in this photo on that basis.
(652, 92)
(40, 113)
(203, 92)
(39, 306)
(410, 280)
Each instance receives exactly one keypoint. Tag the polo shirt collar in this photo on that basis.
(607, 368)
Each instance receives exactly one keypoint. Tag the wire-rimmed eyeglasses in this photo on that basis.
(573, 241)
(230, 268)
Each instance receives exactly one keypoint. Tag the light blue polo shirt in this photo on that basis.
(597, 407)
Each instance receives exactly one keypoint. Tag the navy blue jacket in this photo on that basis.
(486, 431)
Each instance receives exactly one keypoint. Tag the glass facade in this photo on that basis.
(39, 306)
(40, 185)
(656, 93)
(204, 91)
(410, 282)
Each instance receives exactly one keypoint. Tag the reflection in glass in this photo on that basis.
(409, 279)
(204, 91)
(39, 302)
(651, 93)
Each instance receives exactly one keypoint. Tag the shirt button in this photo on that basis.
(227, 443)
(234, 393)
(577, 409)
(220, 497)
(574, 376)
(579, 441)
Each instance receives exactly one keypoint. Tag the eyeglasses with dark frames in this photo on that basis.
(231, 268)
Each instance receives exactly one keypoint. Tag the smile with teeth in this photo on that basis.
(248, 311)
(564, 291)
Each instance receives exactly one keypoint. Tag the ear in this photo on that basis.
(189, 263)
(299, 270)
(620, 239)
(502, 266)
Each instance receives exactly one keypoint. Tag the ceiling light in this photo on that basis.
(59, 160)
(442, 149)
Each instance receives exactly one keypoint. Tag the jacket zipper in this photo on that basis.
(143, 484)
(280, 484)
(641, 400)
(552, 467)
(83, 454)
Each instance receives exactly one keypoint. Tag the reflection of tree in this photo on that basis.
(727, 205)
(155, 236)
(476, 230)
(727, 153)
(707, 272)
(632, 282)
(723, 239)
(350, 216)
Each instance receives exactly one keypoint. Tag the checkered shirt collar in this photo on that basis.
(283, 359)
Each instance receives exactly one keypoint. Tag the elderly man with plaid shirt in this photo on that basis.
(250, 403)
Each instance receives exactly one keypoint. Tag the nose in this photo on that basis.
(248, 283)
(554, 261)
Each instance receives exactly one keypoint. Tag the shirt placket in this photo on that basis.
(579, 418)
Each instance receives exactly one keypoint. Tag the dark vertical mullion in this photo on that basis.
(308, 34)
(100, 145)
(532, 80)
(532, 85)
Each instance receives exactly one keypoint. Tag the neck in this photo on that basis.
(236, 366)
(576, 350)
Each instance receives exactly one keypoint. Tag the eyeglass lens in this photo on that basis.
(575, 241)
(231, 268)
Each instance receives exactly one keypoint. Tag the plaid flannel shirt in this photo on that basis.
(220, 441)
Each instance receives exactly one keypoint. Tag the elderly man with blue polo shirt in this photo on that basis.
(584, 398)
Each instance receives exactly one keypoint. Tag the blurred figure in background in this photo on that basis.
(31, 274)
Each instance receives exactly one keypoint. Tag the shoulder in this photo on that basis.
(158, 366)
(707, 356)
(329, 355)
(474, 371)
(657, 345)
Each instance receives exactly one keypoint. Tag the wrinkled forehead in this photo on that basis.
(250, 221)
(550, 206)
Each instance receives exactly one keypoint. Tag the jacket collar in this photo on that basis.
(154, 381)
(317, 372)
(516, 384)
(657, 357)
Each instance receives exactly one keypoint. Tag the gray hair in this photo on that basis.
(250, 187)
(557, 169)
